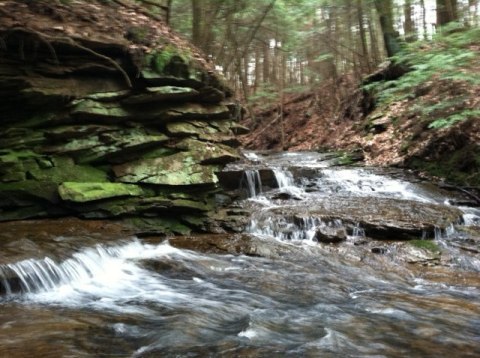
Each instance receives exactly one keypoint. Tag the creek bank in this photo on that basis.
(102, 124)
(420, 113)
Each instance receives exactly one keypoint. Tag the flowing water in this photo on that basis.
(73, 295)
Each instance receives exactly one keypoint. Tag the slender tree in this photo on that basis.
(390, 35)
(446, 11)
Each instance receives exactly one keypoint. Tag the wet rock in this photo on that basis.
(416, 254)
(330, 235)
(379, 250)
(172, 269)
(381, 218)
(9, 281)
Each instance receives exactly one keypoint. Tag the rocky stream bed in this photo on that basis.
(326, 261)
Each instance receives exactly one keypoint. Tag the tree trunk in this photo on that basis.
(266, 62)
(373, 41)
(390, 36)
(408, 25)
(446, 12)
(424, 19)
(196, 23)
(363, 38)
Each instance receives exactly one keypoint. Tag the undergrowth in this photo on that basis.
(446, 59)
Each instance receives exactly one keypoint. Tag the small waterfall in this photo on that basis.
(97, 264)
(296, 229)
(283, 178)
(358, 231)
(252, 181)
(45, 274)
(286, 183)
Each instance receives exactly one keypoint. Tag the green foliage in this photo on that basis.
(446, 58)
(264, 96)
(454, 118)
(425, 244)
(161, 59)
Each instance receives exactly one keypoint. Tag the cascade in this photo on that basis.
(252, 181)
(297, 280)
(96, 264)
(283, 177)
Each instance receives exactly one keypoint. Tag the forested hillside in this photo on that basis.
(395, 81)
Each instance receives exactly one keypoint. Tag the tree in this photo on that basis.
(390, 35)
(446, 12)
(409, 25)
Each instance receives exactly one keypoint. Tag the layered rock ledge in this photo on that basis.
(107, 114)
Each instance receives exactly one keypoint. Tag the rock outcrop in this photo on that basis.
(106, 114)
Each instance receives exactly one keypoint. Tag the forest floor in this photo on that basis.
(119, 22)
(406, 131)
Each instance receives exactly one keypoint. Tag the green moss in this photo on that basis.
(83, 192)
(32, 188)
(425, 244)
(160, 60)
(461, 167)
(65, 169)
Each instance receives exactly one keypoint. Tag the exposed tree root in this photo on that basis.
(47, 40)
(40, 37)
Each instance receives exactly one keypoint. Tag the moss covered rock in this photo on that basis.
(178, 169)
(82, 192)
(112, 126)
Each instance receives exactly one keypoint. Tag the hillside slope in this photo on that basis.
(427, 119)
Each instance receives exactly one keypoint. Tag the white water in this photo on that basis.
(107, 273)
(253, 182)
(141, 299)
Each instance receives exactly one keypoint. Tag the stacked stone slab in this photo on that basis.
(95, 130)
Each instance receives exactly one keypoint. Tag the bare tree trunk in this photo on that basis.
(266, 62)
(197, 23)
(373, 42)
(446, 12)
(424, 19)
(409, 26)
(363, 38)
(390, 36)
(257, 72)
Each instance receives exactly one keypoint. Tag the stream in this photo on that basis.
(325, 267)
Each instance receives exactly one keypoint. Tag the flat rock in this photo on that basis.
(162, 93)
(381, 218)
(83, 192)
(177, 169)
